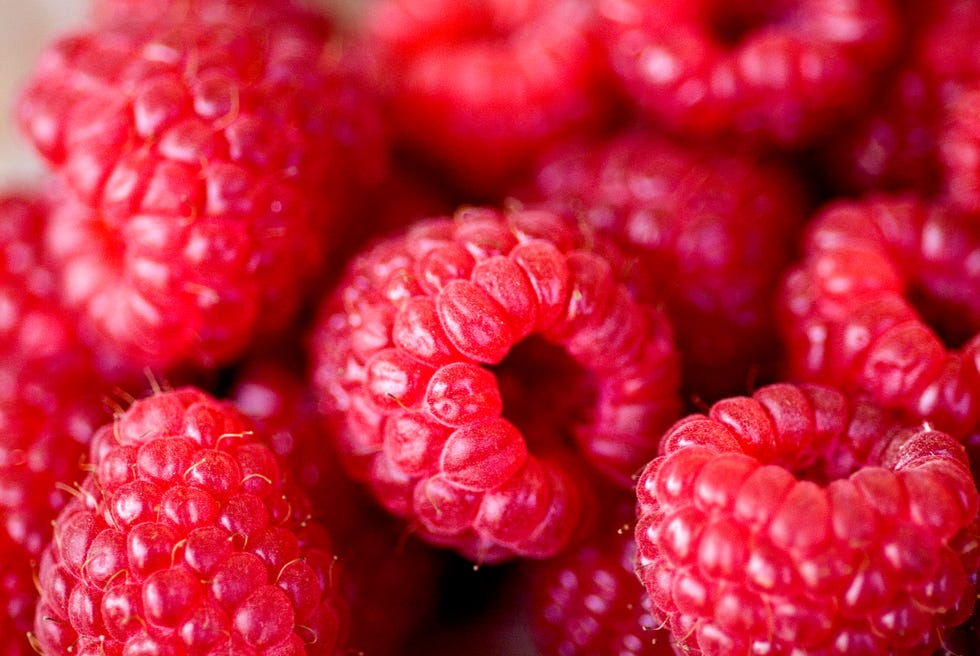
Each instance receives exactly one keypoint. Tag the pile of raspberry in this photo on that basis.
(512, 327)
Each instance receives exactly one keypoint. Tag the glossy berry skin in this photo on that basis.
(479, 88)
(588, 600)
(887, 302)
(798, 519)
(393, 579)
(187, 538)
(768, 71)
(708, 226)
(210, 154)
(413, 367)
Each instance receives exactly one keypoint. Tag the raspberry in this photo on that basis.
(392, 578)
(709, 227)
(588, 599)
(186, 538)
(412, 362)
(479, 88)
(886, 302)
(779, 72)
(213, 152)
(797, 519)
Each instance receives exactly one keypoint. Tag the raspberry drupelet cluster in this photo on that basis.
(885, 302)
(706, 229)
(588, 599)
(480, 87)
(392, 578)
(187, 538)
(210, 152)
(799, 519)
(446, 276)
(782, 73)
(405, 353)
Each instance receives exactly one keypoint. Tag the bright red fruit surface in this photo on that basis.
(187, 538)
(211, 153)
(708, 228)
(481, 87)
(394, 579)
(588, 600)
(887, 301)
(797, 519)
(470, 363)
(767, 70)
(424, 290)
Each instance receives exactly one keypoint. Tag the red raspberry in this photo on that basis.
(393, 579)
(217, 148)
(797, 520)
(481, 87)
(461, 360)
(708, 227)
(887, 301)
(588, 600)
(894, 145)
(187, 538)
(782, 72)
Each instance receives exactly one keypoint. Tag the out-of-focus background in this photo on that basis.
(25, 27)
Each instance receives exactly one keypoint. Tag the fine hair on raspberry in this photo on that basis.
(187, 537)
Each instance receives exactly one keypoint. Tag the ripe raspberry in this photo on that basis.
(461, 361)
(393, 579)
(186, 538)
(708, 227)
(887, 301)
(213, 151)
(588, 599)
(798, 520)
(781, 72)
(481, 87)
